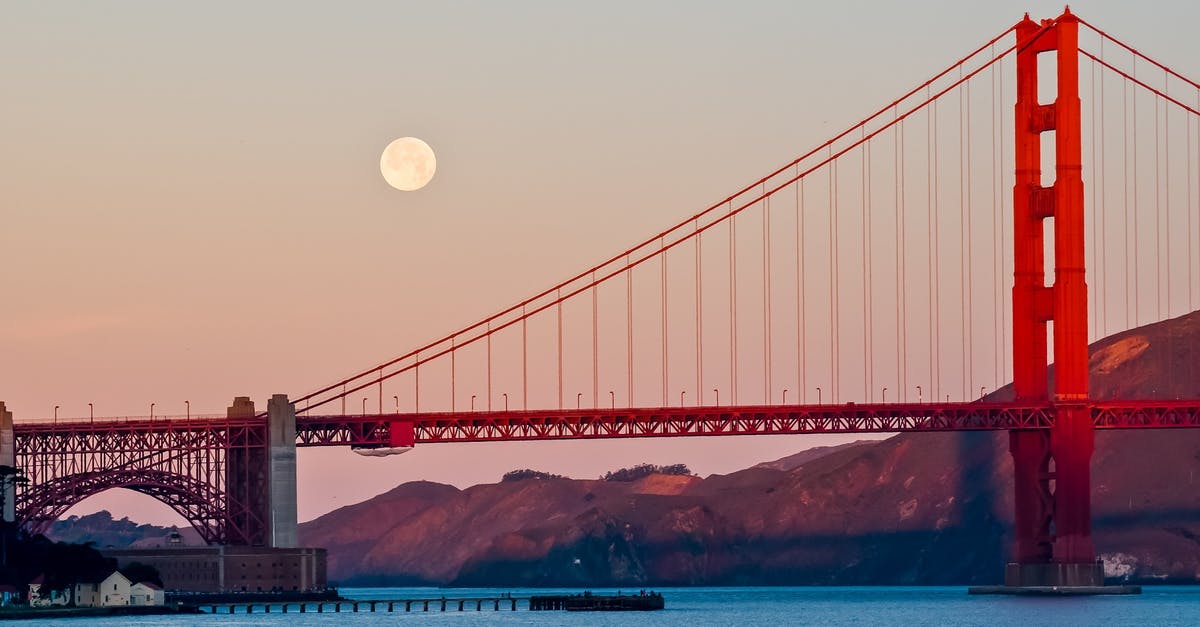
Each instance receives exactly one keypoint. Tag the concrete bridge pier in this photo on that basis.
(281, 471)
(261, 477)
(8, 457)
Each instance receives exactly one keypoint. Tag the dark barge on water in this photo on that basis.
(588, 602)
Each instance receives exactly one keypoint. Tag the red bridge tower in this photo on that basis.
(1051, 467)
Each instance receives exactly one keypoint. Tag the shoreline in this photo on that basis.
(80, 612)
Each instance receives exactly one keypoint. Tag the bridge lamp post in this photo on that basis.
(364, 406)
(578, 399)
(918, 394)
(505, 395)
(151, 411)
(612, 399)
(785, 396)
(91, 413)
(396, 399)
(884, 395)
(681, 393)
(818, 395)
(187, 408)
(56, 414)
(717, 392)
(472, 402)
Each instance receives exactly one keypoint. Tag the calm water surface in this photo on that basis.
(694, 607)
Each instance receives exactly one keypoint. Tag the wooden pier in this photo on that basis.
(585, 602)
(439, 604)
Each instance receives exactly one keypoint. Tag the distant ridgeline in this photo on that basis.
(632, 473)
(103, 530)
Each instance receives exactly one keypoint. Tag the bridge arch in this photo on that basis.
(198, 502)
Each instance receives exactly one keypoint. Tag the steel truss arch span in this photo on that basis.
(196, 501)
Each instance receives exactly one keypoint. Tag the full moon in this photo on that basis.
(407, 164)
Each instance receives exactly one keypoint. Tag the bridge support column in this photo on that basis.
(1052, 471)
(246, 483)
(8, 457)
(281, 455)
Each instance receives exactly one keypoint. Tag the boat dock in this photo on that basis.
(588, 602)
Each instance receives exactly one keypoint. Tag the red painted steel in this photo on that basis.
(1030, 449)
(1053, 522)
(1072, 440)
(183, 463)
(373, 430)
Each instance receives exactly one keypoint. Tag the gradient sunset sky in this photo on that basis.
(192, 208)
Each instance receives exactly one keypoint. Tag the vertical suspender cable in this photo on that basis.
(1136, 214)
(801, 393)
(968, 262)
(1191, 305)
(558, 294)
(595, 344)
(1094, 268)
(865, 232)
(1167, 186)
(489, 366)
(833, 281)
(662, 256)
(929, 212)
(962, 239)
(902, 238)
(766, 268)
(898, 176)
(998, 301)
(1158, 247)
(699, 316)
(868, 314)
(1002, 277)
(629, 330)
(733, 343)
(524, 359)
(1101, 196)
(1125, 163)
(935, 301)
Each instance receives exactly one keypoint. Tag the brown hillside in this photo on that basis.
(916, 508)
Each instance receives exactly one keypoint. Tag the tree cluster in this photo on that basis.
(645, 470)
(62, 563)
(525, 473)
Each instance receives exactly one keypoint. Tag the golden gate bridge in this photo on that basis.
(881, 282)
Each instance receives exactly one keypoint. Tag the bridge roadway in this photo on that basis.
(406, 429)
(234, 477)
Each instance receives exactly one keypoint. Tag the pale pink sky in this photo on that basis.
(191, 207)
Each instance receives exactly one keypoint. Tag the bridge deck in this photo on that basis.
(484, 426)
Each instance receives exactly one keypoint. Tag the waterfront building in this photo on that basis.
(146, 593)
(230, 568)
